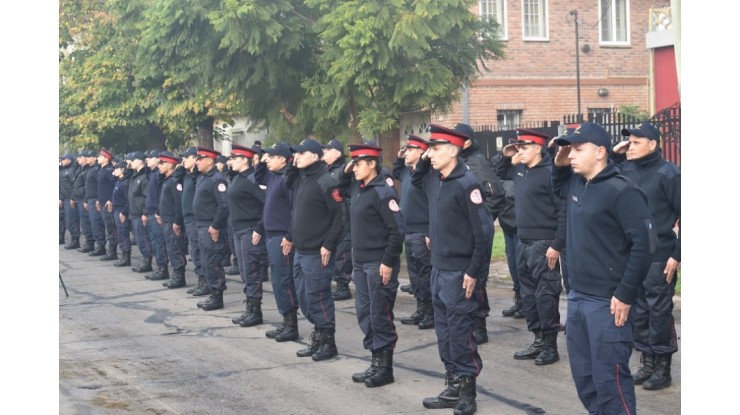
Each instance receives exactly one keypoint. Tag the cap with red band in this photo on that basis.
(106, 154)
(241, 151)
(443, 135)
(358, 151)
(530, 137)
(414, 141)
(168, 157)
(207, 152)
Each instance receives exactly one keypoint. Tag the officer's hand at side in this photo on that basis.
(61, 203)
(287, 246)
(97, 205)
(385, 273)
(325, 255)
(427, 240)
(256, 238)
(561, 158)
(214, 233)
(72, 203)
(552, 258)
(144, 219)
(468, 285)
(176, 229)
(122, 217)
(670, 270)
(109, 206)
(159, 219)
(620, 311)
(622, 147)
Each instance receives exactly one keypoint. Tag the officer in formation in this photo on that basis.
(377, 241)
(334, 158)
(170, 217)
(460, 239)
(610, 228)
(415, 206)
(540, 223)
(104, 205)
(655, 332)
(149, 219)
(67, 170)
(92, 205)
(119, 202)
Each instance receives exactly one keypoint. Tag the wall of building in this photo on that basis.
(539, 77)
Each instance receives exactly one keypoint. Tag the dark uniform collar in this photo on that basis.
(650, 158)
(316, 168)
(458, 171)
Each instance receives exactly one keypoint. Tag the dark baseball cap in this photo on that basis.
(309, 144)
(644, 130)
(336, 145)
(191, 151)
(465, 129)
(280, 149)
(136, 155)
(588, 132)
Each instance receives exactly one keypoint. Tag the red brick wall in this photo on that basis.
(540, 76)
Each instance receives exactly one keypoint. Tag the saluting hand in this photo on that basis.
(509, 150)
(468, 286)
(620, 311)
(561, 158)
(348, 167)
(622, 147)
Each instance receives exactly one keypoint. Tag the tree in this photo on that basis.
(380, 58)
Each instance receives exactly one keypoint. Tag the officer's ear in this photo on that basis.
(454, 151)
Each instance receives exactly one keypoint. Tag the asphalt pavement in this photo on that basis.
(127, 345)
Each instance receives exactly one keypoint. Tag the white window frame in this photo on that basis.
(543, 17)
(611, 15)
(485, 10)
(506, 124)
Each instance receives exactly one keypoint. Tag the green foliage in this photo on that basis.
(313, 67)
(634, 111)
(498, 251)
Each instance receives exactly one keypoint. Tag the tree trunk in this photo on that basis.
(157, 139)
(354, 120)
(205, 133)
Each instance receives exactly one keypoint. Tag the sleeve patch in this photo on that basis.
(389, 181)
(221, 187)
(393, 206)
(476, 197)
(336, 196)
(179, 187)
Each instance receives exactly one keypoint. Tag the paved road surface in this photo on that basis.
(129, 346)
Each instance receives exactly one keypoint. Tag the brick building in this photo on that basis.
(537, 80)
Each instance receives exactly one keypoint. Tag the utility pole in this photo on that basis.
(574, 13)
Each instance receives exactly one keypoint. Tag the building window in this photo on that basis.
(614, 22)
(494, 9)
(534, 16)
(508, 119)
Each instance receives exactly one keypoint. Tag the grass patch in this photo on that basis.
(498, 251)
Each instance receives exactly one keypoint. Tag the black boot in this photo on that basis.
(144, 266)
(341, 292)
(73, 244)
(661, 377)
(245, 313)
(214, 302)
(549, 353)
(427, 322)
(480, 333)
(162, 273)
(361, 376)
(646, 370)
(533, 350)
(232, 270)
(198, 284)
(313, 344)
(448, 397)
(124, 261)
(98, 252)
(290, 331)
(509, 312)
(416, 316)
(112, 253)
(254, 306)
(466, 405)
(202, 288)
(178, 280)
(384, 375)
(407, 288)
(89, 247)
(327, 348)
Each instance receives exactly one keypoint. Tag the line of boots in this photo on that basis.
(288, 331)
(544, 349)
(322, 346)
(655, 372)
(423, 316)
(459, 393)
(380, 371)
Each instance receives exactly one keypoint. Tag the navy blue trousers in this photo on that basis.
(313, 286)
(374, 304)
(281, 270)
